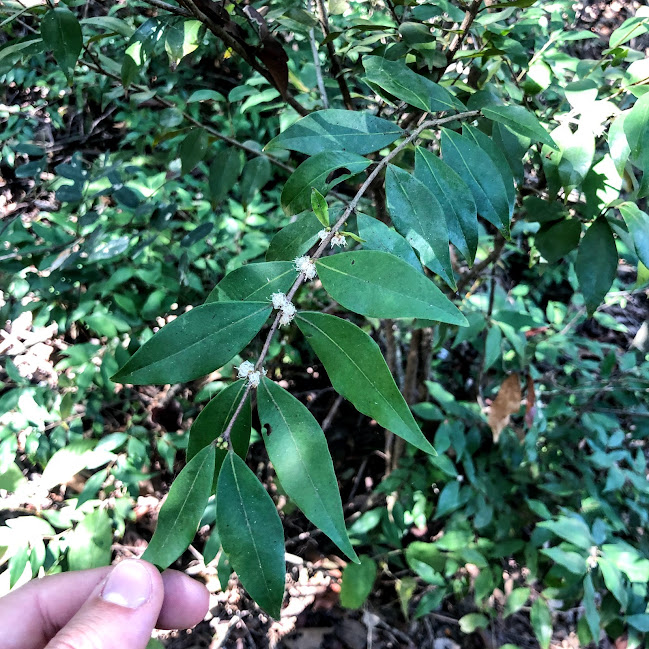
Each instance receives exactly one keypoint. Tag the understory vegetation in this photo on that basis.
(340, 306)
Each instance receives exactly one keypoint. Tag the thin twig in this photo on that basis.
(318, 69)
(458, 39)
(179, 11)
(476, 271)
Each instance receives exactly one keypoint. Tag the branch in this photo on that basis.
(179, 11)
(470, 275)
(458, 39)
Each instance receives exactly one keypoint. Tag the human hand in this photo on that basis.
(106, 608)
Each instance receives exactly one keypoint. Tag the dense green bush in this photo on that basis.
(461, 183)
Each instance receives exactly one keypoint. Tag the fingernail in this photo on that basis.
(128, 585)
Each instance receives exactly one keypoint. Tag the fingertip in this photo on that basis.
(186, 601)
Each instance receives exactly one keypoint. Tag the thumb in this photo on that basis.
(121, 611)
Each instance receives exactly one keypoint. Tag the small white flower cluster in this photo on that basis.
(337, 240)
(247, 371)
(285, 306)
(306, 265)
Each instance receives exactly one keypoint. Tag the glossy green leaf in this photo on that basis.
(637, 223)
(541, 620)
(618, 144)
(399, 80)
(380, 285)
(630, 28)
(613, 580)
(194, 344)
(337, 130)
(181, 39)
(251, 534)
(419, 217)
(573, 530)
(192, 149)
(90, 543)
(639, 621)
(110, 24)
(472, 622)
(359, 373)
(449, 499)
(61, 33)
(358, 581)
(516, 601)
(378, 236)
(571, 561)
(224, 172)
(591, 614)
(256, 173)
(556, 239)
(520, 120)
(17, 564)
(455, 198)
(320, 207)
(315, 172)
(596, 264)
(294, 239)
(577, 153)
(214, 419)
(181, 512)
(475, 167)
(254, 282)
(299, 453)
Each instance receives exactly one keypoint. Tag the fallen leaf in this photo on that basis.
(506, 404)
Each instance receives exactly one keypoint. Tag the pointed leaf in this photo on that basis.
(337, 130)
(541, 620)
(380, 285)
(592, 614)
(516, 601)
(320, 207)
(359, 373)
(613, 580)
(214, 419)
(555, 240)
(378, 236)
(181, 512)
(455, 198)
(251, 534)
(294, 239)
(419, 217)
(194, 344)
(475, 167)
(224, 172)
(61, 33)
(596, 264)
(399, 80)
(90, 543)
(358, 580)
(315, 173)
(637, 223)
(254, 282)
(298, 450)
(520, 120)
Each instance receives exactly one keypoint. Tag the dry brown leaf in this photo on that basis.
(505, 404)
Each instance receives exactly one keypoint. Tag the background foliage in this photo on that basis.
(147, 155)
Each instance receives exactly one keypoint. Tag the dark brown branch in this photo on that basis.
(476, 271)
(458, 39)
(179, 11)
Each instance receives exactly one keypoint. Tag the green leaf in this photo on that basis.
(637, 223)
(110, 24)
(613, 580)
(640, 621)
(61, 33)
(419, 217)
(359, 373)
(358, 581)
(315, 173)
(298, 451)
(455, 198)
(194, 344)
(67, 462)
(473, 621)
(17, 564)
(571, 561)
(449, 499)
(541, 620)
(516, 601)
(90, 543)
(399, 80)
(224, 172)
(206, 95)
(254, 282)
(573, 530)
(475, 167)
(380, 285)
(256, 173)
(193, 148)
(294, 239)
(337, 130)
(251, 534)
(555, 240)
(592, 614)
(320, 207)
(630, 28)
(214, 419)
(596, 264)
(378, 236)
(181, 39)
(577, 151)
(183, 509)
(521, 121)
(12, 478)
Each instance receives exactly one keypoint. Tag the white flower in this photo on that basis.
(254, 378)
(323, 234)
(288, 313)
(305, 265)
(244, 369)
(338, 240)
(279, 300)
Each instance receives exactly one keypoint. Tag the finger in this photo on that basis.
(53, 601)
(120, 612)
(185, 603)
